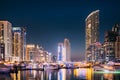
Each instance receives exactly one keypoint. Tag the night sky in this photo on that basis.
(48, 22)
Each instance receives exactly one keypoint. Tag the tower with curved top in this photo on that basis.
(67, 50)
(92, 27)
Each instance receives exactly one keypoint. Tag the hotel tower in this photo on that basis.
(92, 33)
(5, 40)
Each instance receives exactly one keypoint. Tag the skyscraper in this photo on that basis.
(60, 51)
(6, 40)
(23, 43)
(92, 27)
(64, 51)
(19, 43)
(67, 50)
(111, 43)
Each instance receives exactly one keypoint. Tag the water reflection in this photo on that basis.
(62, 74)
(5, 77)
(106, 76)
(84, 74)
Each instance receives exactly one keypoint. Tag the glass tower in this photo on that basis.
(92, 33)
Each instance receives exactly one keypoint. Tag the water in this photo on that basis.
(62, 74)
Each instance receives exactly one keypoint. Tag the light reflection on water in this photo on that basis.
(62, 74)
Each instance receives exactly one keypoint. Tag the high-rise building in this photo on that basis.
(64, 51)
(30, 51)
(0, 53)
(6, 40)
(67, 48)
(23, 43)
(117, 47)
(19, 43)
(111, 43)
(92, 27)
(60, 51)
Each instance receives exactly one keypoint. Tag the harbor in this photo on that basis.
(61, 74)
(7, 67)
(60, 40)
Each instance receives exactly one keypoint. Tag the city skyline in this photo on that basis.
(49, 22)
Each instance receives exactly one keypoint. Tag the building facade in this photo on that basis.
(36, 53)
(111, 42)
(19, 43)
(60, 52)
(30, 51)
(23, 43)
(117, 48)
(64, 51)
(67, 48)
(92, 27)
(6, 40)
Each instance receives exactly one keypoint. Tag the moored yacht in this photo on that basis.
(4, 68)
(51, 66)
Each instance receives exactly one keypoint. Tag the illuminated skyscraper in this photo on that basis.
(92, 27)
(67, 53)
(19, 43)
(6, 40)
(64, 51)
(23, 43)
(111, 43)
(60, 51)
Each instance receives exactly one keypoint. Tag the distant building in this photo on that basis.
(54, 58)
(6, 40)
(19, 43)
(64, 51)
(92, 27)
(50, 57)
(117, 47)
(30, 51)
(67, 48)
(0, 53)
(60, 52)
(36, 53)
(116, 29)
(23, 44)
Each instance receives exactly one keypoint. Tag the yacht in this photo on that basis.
(4, 68)
(51, 67)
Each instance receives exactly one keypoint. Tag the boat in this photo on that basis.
(98, 68)
(51, 67)
(4, 68)
(108, 67)
(104, 67)
(34, 66)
